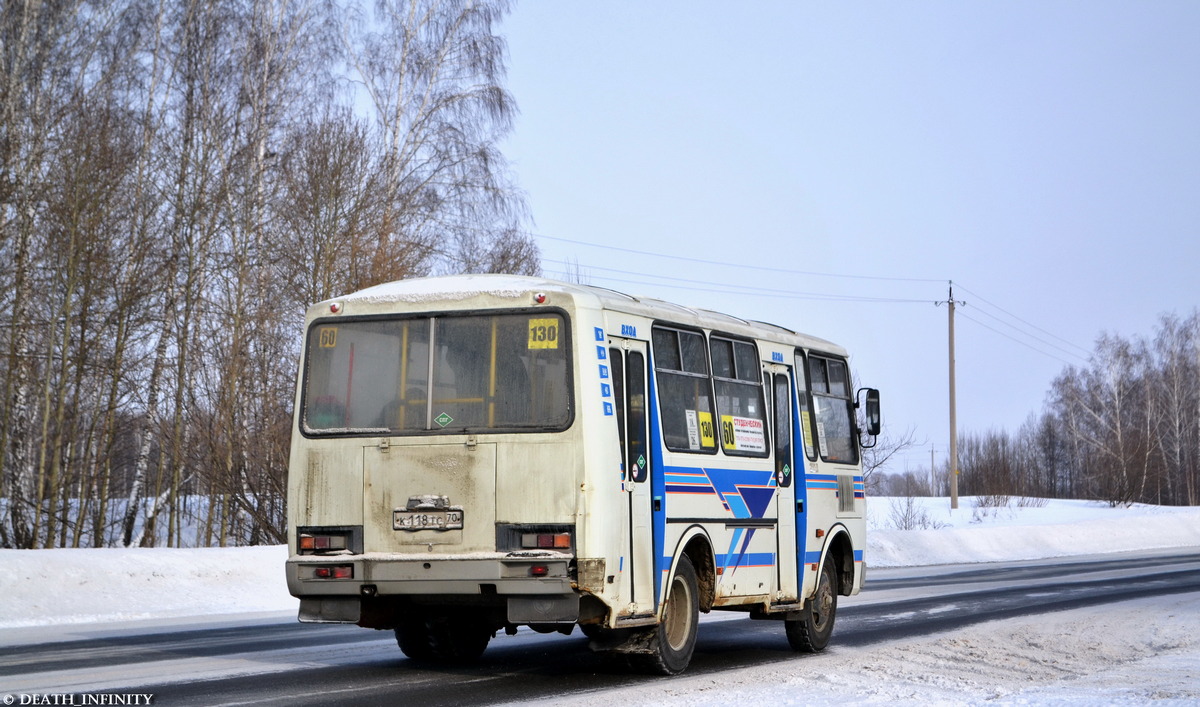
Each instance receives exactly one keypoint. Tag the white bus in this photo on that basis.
(481, 452)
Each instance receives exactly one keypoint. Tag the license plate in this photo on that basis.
(427, 520)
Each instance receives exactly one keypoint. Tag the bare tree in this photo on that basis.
(1177, 388)
(432, 72)
(329, 206)
(1112, 418)
(178, 180)
(876, 459)
(1123, 428)
(51, 63)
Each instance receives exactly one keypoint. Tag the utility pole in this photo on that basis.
(932, 470)
(950, 302)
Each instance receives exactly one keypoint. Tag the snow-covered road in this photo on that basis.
(1128, 652)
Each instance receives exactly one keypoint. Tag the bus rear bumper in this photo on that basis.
(344, 588)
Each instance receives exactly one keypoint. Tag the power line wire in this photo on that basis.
(717, 288)
(708, 286)
(1012, 338)
(1027, 334)
(762, 268)
(657, 280)
(1029, 324)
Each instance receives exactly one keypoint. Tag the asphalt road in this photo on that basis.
(268, 662)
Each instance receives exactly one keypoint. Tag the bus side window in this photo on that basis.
(639, 457)
(685, 400)
(739, 382)
(783, 430)
(834, 409)
(616, 360)
(806, 421)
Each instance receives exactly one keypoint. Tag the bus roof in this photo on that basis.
(456, 288)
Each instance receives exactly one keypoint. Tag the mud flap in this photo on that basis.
(330, 610)
(543, 609)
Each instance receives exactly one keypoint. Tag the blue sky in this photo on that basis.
(830, 167)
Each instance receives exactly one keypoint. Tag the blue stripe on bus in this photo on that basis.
(747, 492)
(812, 558)
(690, 488)
(658, 517)
(681, 478)
(754, 559)
(749, 559)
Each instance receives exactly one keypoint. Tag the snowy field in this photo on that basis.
(1133, 652)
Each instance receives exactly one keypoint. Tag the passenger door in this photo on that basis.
(628, 358)
(785, 475)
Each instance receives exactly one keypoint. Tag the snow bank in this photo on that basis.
(989, 534)
(83, 586)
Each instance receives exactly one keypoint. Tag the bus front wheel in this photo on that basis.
(810, 633)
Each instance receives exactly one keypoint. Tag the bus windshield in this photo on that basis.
(452, 373)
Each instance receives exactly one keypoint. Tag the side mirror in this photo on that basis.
(871, 413)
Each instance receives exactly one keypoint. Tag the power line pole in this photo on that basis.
(950, 302)
(932, 471)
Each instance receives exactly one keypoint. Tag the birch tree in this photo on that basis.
(1177, 388)
(178, 180)
(432, 74)
(44, 54)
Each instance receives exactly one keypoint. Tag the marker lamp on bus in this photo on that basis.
(556, 541)
(334, 572)
(313, 542)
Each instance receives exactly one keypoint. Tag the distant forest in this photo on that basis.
(1125, 428)
(179, 179)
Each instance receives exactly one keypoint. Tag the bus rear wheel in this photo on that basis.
(443, 638)
(810, 633)
(673, 640)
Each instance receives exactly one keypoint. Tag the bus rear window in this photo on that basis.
(474, 373)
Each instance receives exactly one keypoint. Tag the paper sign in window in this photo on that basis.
(745, 434)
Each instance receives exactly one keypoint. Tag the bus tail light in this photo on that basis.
(313, 542)
(334, 572)
(535, 537)
(539, 570)
(546, 541)
(329, 540)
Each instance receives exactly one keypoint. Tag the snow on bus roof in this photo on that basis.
(451, 287)
(460, 287)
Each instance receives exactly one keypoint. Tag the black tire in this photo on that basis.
(673, 640)
(810, 633)
(413, 637)
(441, 638)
